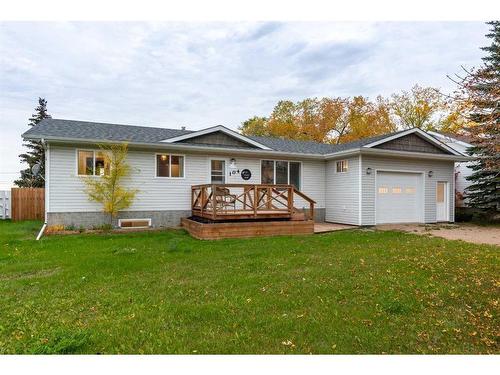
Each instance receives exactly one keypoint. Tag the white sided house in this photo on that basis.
(403, 177)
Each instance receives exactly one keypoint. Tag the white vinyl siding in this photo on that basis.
(342, 192)
(65, 192)
(312, 183)
(66, 188)
(443, 171)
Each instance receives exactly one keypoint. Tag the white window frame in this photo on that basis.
(344, 164)
(94, 151)
(226, 171)
(170, 166)
(120, 221)
(288, 168)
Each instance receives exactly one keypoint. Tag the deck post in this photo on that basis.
(214, 202)
(192, 199)
(202, 192)
(269, 198)
(255, 195)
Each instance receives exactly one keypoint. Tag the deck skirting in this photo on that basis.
(212, 231)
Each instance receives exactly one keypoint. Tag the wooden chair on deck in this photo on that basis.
(224, 198)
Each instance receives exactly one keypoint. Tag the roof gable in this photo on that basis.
(217, 138)
(411, 143)
(201, 134)
(413, 140)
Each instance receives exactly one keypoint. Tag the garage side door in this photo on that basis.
(399, 197)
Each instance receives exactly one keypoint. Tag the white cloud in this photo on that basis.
(200, 74)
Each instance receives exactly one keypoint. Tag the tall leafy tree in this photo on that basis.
(328, 120)
(368, 118)
(481, 88)
(255, 126)
(421, 107)
(35, 153)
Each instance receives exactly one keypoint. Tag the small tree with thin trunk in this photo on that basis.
(108, 189)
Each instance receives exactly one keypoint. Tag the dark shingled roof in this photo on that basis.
(101, 131)
(71, 129)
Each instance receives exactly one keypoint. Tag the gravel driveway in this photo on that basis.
(466, 232)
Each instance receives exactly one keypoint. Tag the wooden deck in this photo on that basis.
(239, 229)
(227, 202)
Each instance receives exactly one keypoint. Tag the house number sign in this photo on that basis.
(246, 174)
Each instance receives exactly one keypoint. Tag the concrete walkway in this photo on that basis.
(331, 227)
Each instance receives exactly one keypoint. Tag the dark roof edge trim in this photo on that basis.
(181, 146)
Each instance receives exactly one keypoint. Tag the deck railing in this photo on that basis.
(246, 201)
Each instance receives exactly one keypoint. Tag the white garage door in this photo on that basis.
(399, 197)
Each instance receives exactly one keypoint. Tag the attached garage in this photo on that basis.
(405, 177)
(399, 197)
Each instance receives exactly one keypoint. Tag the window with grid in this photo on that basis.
(342, 166)
(280, 172)
(169, 165)
(92, 163)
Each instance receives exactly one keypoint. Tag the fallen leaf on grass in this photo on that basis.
(288, 343)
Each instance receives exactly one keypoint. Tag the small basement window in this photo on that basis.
(134, 223)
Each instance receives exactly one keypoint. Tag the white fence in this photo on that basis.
(5, 204)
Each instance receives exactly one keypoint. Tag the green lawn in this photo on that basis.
(164, 292)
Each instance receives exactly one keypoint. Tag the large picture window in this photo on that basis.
(92, 163)
(169, 165)
(280, 172)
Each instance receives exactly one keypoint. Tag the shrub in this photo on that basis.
(103, 227)
(54, 228)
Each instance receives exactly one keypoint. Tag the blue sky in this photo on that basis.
(202, 74)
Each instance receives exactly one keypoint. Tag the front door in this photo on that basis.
(442, 201)
(217, 171)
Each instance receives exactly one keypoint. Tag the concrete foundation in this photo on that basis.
(171, 218)
(89, 220)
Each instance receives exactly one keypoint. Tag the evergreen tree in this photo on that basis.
(482, 89)
(35, 153)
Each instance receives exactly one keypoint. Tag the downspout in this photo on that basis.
(360, 190)
(40, 234)
(46, 147)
